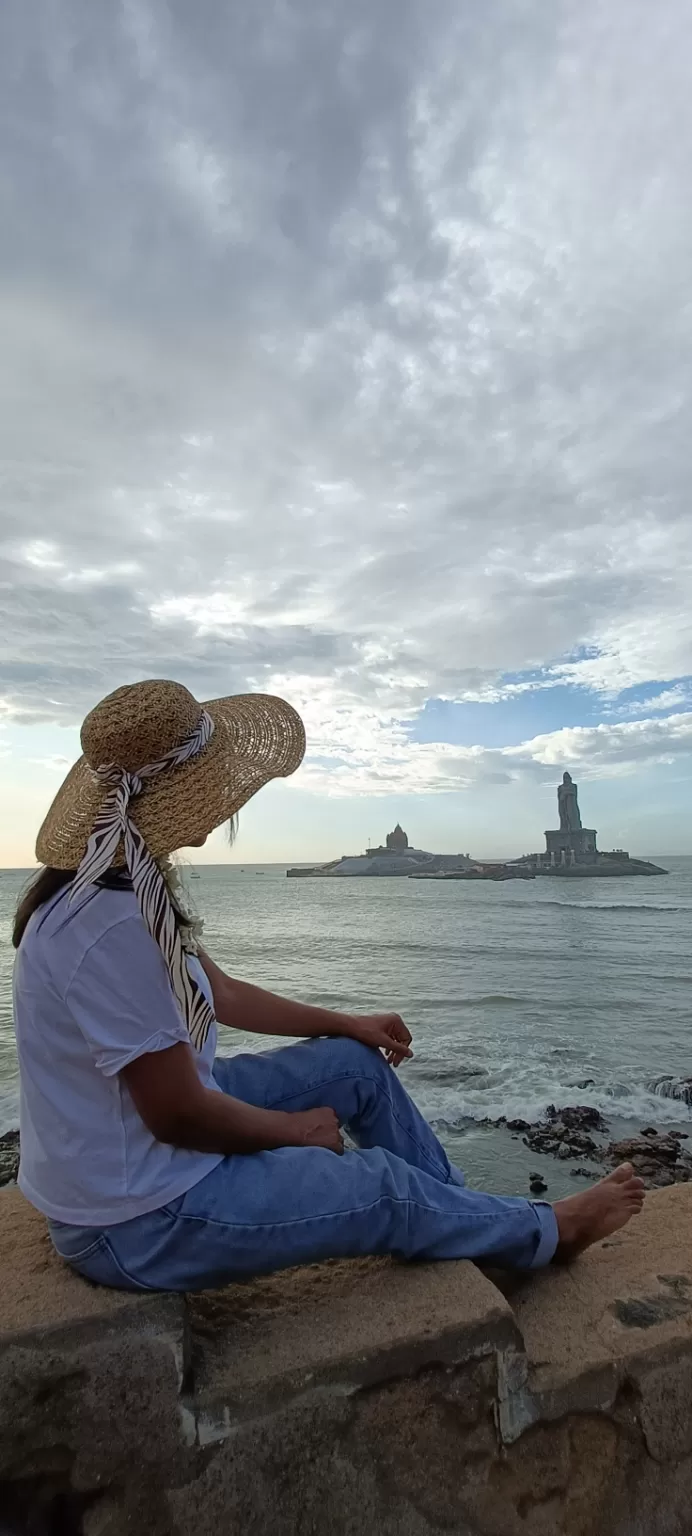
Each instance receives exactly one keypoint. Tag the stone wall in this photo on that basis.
(362, 1399)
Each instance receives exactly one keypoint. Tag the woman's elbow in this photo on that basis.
(171, 1124)
(167, 1094)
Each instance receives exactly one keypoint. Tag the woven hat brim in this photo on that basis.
(256, 738)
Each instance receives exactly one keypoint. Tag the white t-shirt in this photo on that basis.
(92, 993)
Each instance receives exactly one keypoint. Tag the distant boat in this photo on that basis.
(194, 875)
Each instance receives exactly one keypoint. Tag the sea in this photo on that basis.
(518, 995)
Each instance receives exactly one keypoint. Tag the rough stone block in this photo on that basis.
(624, 1300)
(300, 1472)
(665, 1405)
(344, 1325)
(355, 1398)
(89, 1378)
(432, 1437)
(39, 1291)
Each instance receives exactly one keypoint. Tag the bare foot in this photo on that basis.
(587, 1218)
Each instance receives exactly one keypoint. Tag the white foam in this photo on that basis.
(528, 1099)
(9, 1110)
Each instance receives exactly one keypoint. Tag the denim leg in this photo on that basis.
(352, 1079)
(297, 1205)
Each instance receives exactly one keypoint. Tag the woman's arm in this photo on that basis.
(178, 1110)
(239, 1005)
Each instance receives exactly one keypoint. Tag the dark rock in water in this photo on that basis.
(565, 1133)
(657, 1157)
(586, 1082)
(666, 1149)
(537, 1185)
(658, 1162)
(9, 1157)
(672, 1088)
(581, 1117)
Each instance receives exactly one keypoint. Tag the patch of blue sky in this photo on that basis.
(509, 721)
(324, 761)
(540, 708)
(660, 698)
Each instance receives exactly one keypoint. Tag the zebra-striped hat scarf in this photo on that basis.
(112, 826)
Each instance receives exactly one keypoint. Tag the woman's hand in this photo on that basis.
(314, 1128)
(174, 1106)
(384, 1032)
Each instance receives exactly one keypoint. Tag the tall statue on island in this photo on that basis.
(568, 805)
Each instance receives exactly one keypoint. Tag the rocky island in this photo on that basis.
(394, 857)
(571, 851)
(571, 848)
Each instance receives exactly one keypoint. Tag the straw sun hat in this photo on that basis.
(247, 740)
(159, 772)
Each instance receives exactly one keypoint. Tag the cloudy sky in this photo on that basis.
(346, 354)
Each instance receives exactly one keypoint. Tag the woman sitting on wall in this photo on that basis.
(158, 1164)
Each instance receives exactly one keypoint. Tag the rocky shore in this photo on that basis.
(9, 1157)
(580, 1134)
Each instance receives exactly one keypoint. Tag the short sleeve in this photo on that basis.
(121, 998)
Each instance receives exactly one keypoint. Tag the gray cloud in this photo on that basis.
(346, 349)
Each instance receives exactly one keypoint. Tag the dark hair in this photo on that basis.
(49, 881)
(44, 885)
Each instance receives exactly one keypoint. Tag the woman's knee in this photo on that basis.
(362, 1060)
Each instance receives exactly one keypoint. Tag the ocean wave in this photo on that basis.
(491, 1000)
(9, 1110)
(525, 1095)
(433, 1073)
(589, 906)
(614, 906)
(611, 906)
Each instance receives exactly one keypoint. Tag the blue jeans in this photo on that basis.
(397, 1194)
